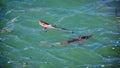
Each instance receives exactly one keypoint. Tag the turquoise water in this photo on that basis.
(23, 43)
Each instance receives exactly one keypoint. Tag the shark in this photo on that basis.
(78, 39)
(46, 26)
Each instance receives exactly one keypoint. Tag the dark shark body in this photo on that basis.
(78, 39)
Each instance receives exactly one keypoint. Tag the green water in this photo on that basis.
(23, 43)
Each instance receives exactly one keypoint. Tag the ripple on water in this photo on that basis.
(28, 45)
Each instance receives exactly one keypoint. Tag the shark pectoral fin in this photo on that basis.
(80, 41)
(44, 28)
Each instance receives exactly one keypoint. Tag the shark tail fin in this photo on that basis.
(64, 29)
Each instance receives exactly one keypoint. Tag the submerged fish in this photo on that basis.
(46, 25)
(78, 39)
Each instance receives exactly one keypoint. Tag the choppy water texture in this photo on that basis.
(23, 43)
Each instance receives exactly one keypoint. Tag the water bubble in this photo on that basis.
(45, 62)
(26, 48)
(117, 41)
(113, 48)
(102, 65)
(9, 62)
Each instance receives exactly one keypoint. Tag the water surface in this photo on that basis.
(23, 43)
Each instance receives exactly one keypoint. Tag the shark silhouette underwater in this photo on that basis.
(46, 25)
(78, 39)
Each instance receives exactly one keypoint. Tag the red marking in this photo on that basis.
(42, 23)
